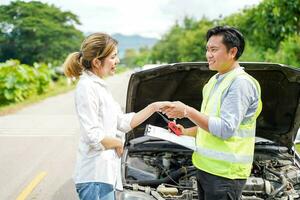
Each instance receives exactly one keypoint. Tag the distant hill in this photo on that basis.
(132, 42)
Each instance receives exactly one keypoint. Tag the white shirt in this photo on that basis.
(99, 116)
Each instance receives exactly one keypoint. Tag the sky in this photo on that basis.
(148, 18)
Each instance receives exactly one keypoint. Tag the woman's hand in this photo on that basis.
(142, 115)
(159, 105)
(176, 109)
(120, 151)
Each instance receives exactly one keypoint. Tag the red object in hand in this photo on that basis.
(171, 125)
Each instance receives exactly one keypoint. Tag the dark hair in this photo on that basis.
(97, 45)
(231, 38)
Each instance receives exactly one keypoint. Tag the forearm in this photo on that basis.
(197, 117)
(191, 131)
(111, 143)
(142, 115)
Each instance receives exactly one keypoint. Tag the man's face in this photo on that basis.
(218, 57)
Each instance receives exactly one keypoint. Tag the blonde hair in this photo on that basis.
(97, 45)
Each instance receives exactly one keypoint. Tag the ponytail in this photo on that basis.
(72, 65)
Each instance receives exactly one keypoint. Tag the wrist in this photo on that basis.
(184, 132)
(120, 144)
(186, 111)
(152, 107)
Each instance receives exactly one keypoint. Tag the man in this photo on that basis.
(225, 131)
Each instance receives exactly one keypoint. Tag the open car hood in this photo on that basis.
(280, 86)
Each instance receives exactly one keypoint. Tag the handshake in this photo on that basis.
(175, 109)
(172, 110)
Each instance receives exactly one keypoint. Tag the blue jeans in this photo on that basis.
(95, 191)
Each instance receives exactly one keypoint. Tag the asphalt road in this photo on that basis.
(38, 147)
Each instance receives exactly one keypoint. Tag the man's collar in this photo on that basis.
(221, 76)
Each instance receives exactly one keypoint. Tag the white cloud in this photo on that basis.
(211, 9)
(147, 18)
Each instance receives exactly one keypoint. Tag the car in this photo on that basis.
(157, 169)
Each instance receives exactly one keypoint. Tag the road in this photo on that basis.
(38, 147)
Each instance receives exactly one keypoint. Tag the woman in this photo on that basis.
(102, 122)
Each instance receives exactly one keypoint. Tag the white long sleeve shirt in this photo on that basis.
(99, 116)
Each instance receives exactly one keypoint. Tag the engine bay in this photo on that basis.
(165, 171)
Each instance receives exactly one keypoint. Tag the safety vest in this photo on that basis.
(231, 158)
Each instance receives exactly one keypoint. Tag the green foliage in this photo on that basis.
(183, 43)
(130, 57)
(288, 52)
(167, 49)
(44, 76)
(267, 24)
(271, 30)
(192, 45)
(34, 31)
(121, 69)
(135, 58)
(252, 53)
(20, 81)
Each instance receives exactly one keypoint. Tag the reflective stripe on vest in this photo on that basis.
(224, 156)
(230, 158)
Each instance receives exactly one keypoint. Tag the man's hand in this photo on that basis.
(182, 129)
(176, 109)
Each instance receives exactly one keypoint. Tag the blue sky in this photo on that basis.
(151, 18)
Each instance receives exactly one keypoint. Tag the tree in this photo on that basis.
(135, 58)
(288, 52)
(129, 58)
(37, 32)
(271, 30)
(192, 46)
(183, 43)
(268, 23)
(167, 49)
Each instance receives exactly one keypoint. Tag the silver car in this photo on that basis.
(156, 169)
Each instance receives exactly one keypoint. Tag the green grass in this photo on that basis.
(55, 88)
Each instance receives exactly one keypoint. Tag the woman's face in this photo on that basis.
(109, 64)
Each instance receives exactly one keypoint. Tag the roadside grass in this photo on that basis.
(56, 88)
(59, 87)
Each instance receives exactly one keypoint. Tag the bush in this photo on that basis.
(288, 52)
(252, 53)
(20, 81)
